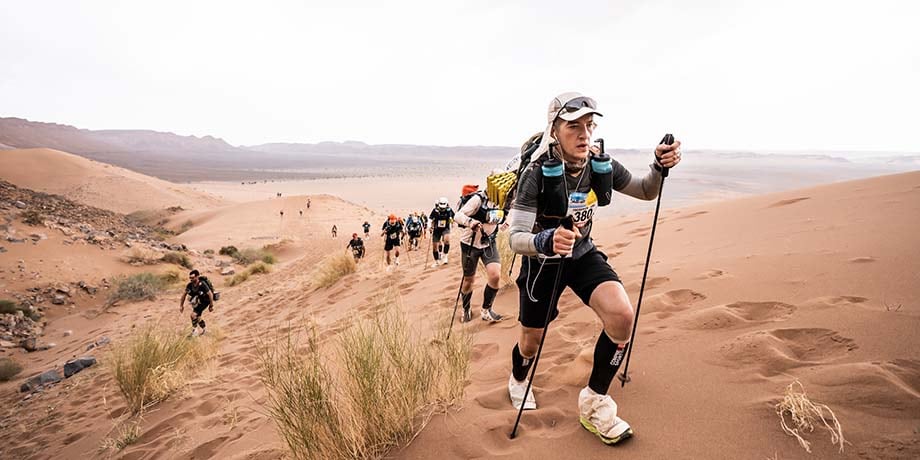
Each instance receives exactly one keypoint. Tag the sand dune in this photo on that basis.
(743, 296)
(96, 184)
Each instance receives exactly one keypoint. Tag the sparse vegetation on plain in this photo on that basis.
(32, 217)
(155, 361)
(386, 382)
(140, 255)
(247, 256)
(332, 268)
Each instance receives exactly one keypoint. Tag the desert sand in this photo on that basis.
(744, 295)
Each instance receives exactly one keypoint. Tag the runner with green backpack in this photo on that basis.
(479, 219)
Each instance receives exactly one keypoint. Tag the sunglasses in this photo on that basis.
(577, 104)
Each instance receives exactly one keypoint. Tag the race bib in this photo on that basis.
(394, 236)
(581, 208)
(442, 223)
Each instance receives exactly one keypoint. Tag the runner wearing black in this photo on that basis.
(357, 246)
(392, 232)
(441, 218)
(367, 229)
(200, 296)
(335, 231)
(537, 236)
(414, 230)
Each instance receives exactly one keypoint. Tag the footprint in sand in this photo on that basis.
(710, 274)
(888, 389)
(668, 303)
(788, 202)
(776, 350)
(483, 350)
(835, 301)
(737, 314)
(650, 283)
(692, 215)
(861, 260)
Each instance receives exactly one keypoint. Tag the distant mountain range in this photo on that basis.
(191, 158)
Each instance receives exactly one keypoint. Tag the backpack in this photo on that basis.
(503, 185)
(207, 282)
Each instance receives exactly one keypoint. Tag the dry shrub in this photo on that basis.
(186, 226)
(155, 361)
(804, 414)
(10, 307)
(254, 269)
(141, 286)
(9, 369)
(140, 255)
(33, 218)
(503, 244)
(378, 392)
(250, 255)
(177, 258)
(125, 434)
(332, 268)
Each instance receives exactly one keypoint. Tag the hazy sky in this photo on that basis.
(770, 74)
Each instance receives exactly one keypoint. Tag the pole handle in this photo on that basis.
(668, 139)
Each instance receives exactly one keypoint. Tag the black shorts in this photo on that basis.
(390, 243)
(438, 233)
(582, 275)
(199, 309)
(469, 256)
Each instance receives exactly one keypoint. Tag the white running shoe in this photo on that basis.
(489, 315)
(444, 259)
(435, 264)
(599, 416)
(397, 261)
(516, 392)
(389, 268)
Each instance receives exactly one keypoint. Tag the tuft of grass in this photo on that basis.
(251, 255)
(10, 307)
(142, 256)
(384, 384)
(33, 218)
(228, 251)
(125, 435)
(186, 226)
(155, 361)
(177, 258)
(141, 286)
(9, 369)
(333, 268)
(209, 252)
(804, 415)
(254, 269)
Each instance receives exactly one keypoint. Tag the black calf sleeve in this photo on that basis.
(520, 365)
(488, 296)
(466, 300)
(436, 254)
(195, 322)
(201, 323)
(607, 359)
(446, 248)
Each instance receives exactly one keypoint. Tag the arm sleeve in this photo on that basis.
(645, 188)
(525, 213)
(468, 209)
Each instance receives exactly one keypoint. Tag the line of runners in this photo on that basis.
(563, 179)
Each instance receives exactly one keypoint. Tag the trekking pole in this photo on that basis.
(624, 376)
(511, 268)
(554, 301)
(454, 314)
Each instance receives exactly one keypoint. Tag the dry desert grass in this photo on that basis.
(157, 360)
(331, 269)
(380, 390)
(804, 414)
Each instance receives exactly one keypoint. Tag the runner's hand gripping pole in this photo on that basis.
(668, 139)
(569, 224)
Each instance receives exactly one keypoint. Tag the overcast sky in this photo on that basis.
(761, 75)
